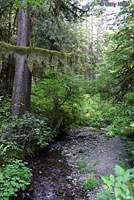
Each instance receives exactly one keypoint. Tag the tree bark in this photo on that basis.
(23, 77)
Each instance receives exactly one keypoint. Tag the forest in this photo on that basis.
(66, 96)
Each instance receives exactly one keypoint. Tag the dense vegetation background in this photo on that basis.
(96, 89)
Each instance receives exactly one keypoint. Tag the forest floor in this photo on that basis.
(98, 155)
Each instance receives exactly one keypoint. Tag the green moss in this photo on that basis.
(4, 47)
(30, 64)
(63, 58)
(51, 58)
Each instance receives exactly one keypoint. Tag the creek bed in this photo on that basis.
(50, 179)
(55, 171)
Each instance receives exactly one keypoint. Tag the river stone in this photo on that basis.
(83, 134)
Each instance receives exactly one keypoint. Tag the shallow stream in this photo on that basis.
(50, 179)
(55, 171)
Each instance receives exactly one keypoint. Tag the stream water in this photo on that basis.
(49, 181)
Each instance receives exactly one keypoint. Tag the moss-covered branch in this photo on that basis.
(37, 54)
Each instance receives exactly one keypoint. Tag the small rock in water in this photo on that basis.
(103, 129)
(68, 154)
(82, 134)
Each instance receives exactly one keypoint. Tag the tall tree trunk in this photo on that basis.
(22, 83)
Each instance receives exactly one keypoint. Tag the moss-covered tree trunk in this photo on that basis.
(22, 83)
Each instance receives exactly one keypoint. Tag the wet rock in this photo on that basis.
(69, 177)
(82, 134)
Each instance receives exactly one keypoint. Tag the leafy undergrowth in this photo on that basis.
(120, 187)
(14, 175)
(30, 132)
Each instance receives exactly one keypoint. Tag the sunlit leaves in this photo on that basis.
(117, 185)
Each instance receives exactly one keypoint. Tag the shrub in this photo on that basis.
(91, 184)
(28, 131)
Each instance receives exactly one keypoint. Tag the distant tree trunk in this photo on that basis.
(22, 83)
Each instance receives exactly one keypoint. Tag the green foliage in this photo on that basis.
(115, 71)
(130, 147)
(106, 195)
(123, 117)
(28, 131)
(91, 184)
(5, 103)
(96, 112)
(8, 151)
(66, 103)
(81, 165)
(17, 3)
(50, 28)
(114, 75)
(14, 176)
(60, 96)
(118, 184)
(4, 157)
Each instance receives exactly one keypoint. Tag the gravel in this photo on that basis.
(101, 155)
